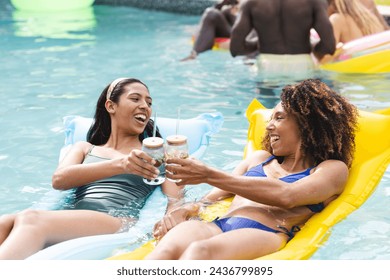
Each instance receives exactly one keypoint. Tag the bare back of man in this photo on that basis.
(283, 27)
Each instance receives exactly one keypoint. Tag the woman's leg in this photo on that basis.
(33, 230)
(6, 225)
(240, 244)
(174, 243)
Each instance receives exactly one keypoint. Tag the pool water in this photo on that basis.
(57, 65)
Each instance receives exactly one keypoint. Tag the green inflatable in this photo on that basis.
(51, 5)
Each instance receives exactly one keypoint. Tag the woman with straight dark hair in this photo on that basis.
(106, 173)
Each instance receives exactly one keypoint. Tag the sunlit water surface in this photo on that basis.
(56, 65)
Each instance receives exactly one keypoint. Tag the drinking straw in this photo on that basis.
(177, 121)
(155, 124)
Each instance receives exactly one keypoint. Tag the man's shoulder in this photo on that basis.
(318, 3)
(250, 3)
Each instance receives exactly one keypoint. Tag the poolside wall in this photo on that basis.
(191, 7)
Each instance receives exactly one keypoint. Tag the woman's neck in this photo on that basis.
(296, 163)
(124, 144)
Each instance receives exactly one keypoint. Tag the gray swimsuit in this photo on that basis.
(121, 195)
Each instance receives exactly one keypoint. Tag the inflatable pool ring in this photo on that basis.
(383, 2)
(370, 163)
(220, 43)
(51, 5)
(370, 54)
(74, 24)
(198, 130)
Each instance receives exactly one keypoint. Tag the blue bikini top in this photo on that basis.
(258, 171)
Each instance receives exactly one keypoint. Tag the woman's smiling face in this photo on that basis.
(134, 108)
(283, 130)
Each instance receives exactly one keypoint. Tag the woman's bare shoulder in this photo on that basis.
(82, 146)
(334, 163)
(333, 168)
(258, 156)
(338, 20)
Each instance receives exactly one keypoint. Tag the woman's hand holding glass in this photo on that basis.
(140, 163)
(188, 171)
(154, 147)
(179, 167)
(176, 147)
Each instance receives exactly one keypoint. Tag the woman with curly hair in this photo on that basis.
(308, 148)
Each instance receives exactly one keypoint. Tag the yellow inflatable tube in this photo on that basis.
(220, 43)
(377, 62)
(372, 158)
(383, 2)
(369, 54)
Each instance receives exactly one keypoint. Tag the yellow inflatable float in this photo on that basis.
(372, 158)
(220, 43)
(370, 54)
(383, 2)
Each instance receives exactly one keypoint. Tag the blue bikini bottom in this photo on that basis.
(232, 223)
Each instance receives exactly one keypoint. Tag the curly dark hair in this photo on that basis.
(327, 121)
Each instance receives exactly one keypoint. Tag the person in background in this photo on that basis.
(283, 30)
(106, 173)
(308, 147)
(351, 20)
(372, 7)
(216, 23)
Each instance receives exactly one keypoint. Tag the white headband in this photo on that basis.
(112, 86)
